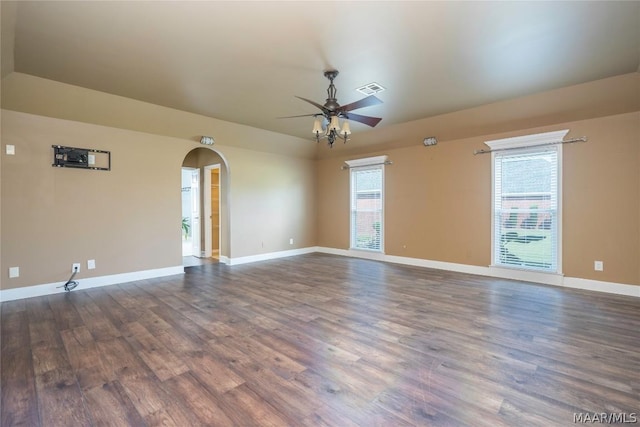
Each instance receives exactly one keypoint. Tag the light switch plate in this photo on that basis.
(11, 150)
(14, 272)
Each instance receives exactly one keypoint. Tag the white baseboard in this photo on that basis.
(270, 255)
(88, 283)
(503, 273)
(599, 286)
(94, 282)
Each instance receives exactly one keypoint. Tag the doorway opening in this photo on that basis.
(205, 184)
(190, 212)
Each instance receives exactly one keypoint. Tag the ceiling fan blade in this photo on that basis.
(369, 121)
(364, 102)
(315, 104)
(301, 115)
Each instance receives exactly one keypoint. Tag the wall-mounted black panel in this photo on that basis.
(82, 158)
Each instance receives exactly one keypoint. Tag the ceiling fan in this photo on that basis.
(327, 124)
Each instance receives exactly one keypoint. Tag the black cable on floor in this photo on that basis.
(71, 284)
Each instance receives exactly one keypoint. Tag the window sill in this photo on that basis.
(526, 274)
(367, 253)
(377, 251)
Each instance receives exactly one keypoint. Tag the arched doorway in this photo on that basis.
(205, 207)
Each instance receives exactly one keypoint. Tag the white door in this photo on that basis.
(195, 211)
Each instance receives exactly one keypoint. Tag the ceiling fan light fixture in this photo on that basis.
(334, 124)
(331, 111)
(346, 130)
(317, 127)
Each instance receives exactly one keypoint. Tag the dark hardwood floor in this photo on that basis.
(319, 340)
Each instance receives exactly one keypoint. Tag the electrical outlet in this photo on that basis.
(91, 264)
(598, 266)
(291, 241)
(75, 267)
(11, 150)
(14, 272)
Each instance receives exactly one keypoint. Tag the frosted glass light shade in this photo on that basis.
(335, 124)
(317, 127)
(346, 130)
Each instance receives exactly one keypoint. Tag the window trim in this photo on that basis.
(367, 161)
(377, 162)
(528, 143)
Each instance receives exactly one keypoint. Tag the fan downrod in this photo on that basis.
(332, 103)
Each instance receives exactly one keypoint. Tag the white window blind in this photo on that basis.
(526, 208)
(367, 207)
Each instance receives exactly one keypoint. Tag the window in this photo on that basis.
(367, 203)
(526, 202)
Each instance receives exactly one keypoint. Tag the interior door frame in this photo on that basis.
(196, 214)
(208, 230)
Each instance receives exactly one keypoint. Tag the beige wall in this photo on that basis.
(428, 198)
(598, 98)
(128, 219)
(602, 199)
(35, 95)
(272, 199)
(124, 219)
(438, 200)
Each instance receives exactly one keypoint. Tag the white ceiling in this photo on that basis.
(244, 61)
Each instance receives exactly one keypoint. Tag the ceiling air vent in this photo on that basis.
(370, 89)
